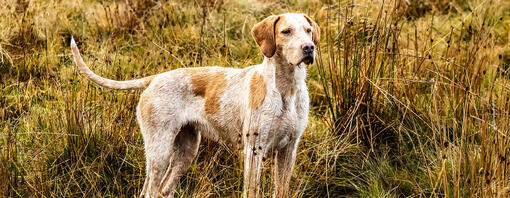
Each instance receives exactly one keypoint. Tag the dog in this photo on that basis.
(261, 109)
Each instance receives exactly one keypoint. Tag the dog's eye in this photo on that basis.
(308, 30)
(286, 32)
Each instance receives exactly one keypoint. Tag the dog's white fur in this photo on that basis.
(262, 109)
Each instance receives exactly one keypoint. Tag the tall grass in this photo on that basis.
(409, 98)
(434, 98)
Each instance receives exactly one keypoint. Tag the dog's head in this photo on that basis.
(290, 36)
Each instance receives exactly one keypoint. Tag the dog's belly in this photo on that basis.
(222, 130)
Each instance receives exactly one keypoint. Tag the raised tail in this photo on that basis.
(141, 83)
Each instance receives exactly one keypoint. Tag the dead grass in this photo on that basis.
(408, 98)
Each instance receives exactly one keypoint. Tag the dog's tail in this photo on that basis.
(141, 83)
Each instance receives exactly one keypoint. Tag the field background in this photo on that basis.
(409, 98)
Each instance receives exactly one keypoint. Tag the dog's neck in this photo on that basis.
(286, 77)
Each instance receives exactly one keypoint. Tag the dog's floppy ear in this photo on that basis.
(264, 35)
(316, 32)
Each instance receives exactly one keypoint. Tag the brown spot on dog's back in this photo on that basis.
(257, 90)
(209, 85)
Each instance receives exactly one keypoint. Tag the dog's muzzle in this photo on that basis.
(308, 49)
(308, 58)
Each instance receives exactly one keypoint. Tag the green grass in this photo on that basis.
(409, 98)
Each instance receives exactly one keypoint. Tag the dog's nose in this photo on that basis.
(308, 47)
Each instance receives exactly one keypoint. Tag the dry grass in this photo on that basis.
(409, 98)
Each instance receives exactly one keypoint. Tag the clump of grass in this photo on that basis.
(405, 101)
(422, 93)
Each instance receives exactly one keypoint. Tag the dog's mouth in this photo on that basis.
(307, 59)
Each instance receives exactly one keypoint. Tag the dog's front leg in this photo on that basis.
(284, 161)
(252, 169)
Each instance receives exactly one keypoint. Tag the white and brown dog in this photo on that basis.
(262, 109)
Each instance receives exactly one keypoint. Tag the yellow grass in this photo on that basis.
(409, 98)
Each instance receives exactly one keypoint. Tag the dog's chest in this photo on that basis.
(293, 118)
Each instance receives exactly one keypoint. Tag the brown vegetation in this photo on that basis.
(409, 98)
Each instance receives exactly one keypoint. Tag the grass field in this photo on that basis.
(409, 98)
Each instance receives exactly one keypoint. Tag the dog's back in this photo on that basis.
(211, 98)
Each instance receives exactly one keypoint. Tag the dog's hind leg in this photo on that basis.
(159, 129)
(158, 151)
(185, 148)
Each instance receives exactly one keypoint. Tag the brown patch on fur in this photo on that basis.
(210, 85)
(257, 91)
(147, 110)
